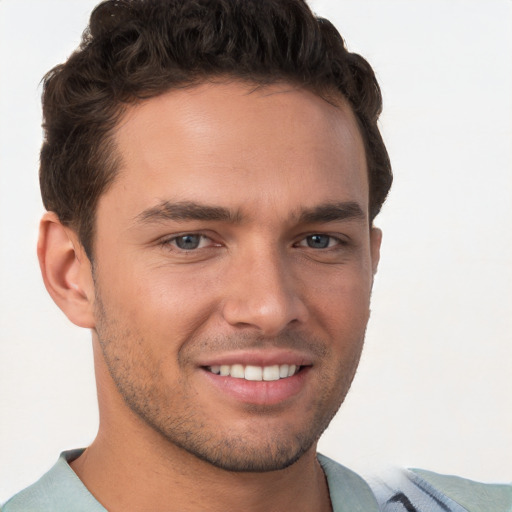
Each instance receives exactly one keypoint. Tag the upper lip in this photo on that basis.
(268, 357)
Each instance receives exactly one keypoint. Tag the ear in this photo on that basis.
(66, 270)
(375, 242)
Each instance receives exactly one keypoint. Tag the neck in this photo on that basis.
(140, 476)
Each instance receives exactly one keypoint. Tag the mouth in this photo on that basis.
(258, 377)
(255, 373)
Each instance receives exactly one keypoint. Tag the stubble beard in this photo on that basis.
(140, 381)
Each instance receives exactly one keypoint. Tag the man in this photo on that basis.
(211, 172)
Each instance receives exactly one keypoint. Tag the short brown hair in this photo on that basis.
(137, 49)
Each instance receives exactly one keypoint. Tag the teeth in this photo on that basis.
(255, 373)
(271, 372)
(237, 371)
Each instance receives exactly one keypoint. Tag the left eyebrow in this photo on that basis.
(332, 212)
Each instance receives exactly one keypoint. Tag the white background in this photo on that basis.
(434, 387)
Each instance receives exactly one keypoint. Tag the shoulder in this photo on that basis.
(348, 491)
(418, 490)
(474, 496)
(59, 490)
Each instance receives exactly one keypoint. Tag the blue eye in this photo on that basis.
(188, 242)
(319, 241)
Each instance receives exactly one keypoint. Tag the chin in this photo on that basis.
(237, 455)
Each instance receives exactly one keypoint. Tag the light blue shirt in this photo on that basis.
(60, 490)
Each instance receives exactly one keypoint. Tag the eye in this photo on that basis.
(189, 241)
(319, 241)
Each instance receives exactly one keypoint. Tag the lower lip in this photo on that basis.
(259, 392)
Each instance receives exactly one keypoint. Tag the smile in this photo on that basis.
(255, 373)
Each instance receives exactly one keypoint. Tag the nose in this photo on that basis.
(263, 293)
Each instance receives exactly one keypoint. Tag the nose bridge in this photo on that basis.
(263, 292)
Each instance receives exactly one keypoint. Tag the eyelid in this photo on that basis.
(338, 238)
(167, 241)
(301, 240)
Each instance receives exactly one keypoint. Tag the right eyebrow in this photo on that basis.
(186, 210)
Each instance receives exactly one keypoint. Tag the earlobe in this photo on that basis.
(66, 270)
(375, 243)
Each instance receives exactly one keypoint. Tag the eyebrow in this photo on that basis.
(186, 210)
(332, 212)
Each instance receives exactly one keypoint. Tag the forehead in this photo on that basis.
(237, 143)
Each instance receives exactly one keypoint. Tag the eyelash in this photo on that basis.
(303, 242)
(331, 238)
(172, 241)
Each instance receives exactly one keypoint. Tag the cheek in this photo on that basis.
(165, 304)
(340, 297)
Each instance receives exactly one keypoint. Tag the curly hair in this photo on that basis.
(138, 49)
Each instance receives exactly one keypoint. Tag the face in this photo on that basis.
(233, 269)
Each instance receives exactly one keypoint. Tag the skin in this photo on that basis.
(279, 268)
